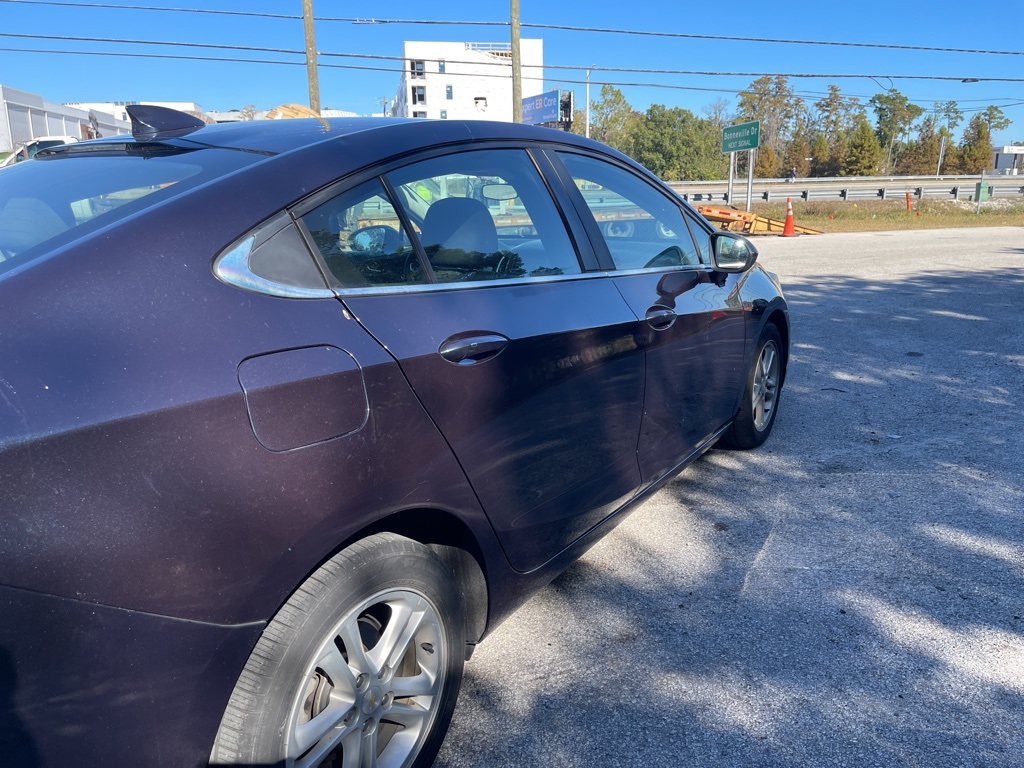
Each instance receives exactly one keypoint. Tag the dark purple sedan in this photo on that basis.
(293, 413)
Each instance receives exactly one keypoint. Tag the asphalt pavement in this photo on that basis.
(851, 593)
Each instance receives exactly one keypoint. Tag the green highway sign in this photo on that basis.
(742, 136)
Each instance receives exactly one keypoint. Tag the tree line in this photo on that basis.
(833, 136)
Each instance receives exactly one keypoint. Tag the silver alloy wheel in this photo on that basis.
(372, 687)
(766, 386)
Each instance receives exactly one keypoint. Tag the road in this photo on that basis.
(850, 594)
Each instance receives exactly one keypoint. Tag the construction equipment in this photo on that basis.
(747, 222)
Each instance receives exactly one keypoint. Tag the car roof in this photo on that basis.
(279, 136)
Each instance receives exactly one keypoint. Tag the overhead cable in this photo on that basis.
(694, 72)
(560, 27)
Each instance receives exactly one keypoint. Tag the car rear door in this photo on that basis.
(464, 268)
(689, 317)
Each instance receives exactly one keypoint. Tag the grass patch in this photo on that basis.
(880, 215)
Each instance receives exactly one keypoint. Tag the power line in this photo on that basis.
(627, 70)
(218, 46)
(561, 27)
(109, 6)
(781, 41)
(237, 60)
(805, 95)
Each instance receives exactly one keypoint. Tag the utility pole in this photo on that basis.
(384, 106)
(942, 154)
(311, 75)
(517, 65)
(587, 132)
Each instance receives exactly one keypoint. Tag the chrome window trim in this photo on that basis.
(471, 284)
(232, 267)
(343, 293)
(661, 270)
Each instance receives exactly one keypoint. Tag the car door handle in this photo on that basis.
(660, 318)
(467, 350)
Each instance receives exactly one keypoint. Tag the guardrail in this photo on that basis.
(852, 188)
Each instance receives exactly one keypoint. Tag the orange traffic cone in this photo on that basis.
(789, 228)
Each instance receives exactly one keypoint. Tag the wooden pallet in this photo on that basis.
(747, 222)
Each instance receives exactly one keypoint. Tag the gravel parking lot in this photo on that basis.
(848, 595)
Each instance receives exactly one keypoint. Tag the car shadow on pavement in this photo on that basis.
(848, 594)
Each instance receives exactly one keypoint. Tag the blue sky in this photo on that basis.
(227, 85)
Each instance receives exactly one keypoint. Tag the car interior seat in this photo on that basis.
(26, 222)
(459, 233)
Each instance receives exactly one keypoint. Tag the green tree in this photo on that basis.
(579, 122)
(717, 113)
(676, 144)
(798, 150)
(835, 118)
(995, 119)
(766, 163)
(774, 103)
(949, 112)
(837, 115)
(864, 152)
(921, 156)
(976, 146)
(612, 119)
(895, 116)
(820, 156)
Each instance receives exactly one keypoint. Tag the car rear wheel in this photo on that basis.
(361, 666)
(760, 405)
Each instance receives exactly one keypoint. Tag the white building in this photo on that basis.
(1008, 160)
(25, 116)
(466, 81)
(116, 109)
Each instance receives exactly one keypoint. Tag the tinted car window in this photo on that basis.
(362, 240)
(52, 201)
(485, 215)
(641, 226)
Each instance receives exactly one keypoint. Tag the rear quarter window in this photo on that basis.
(48, 203)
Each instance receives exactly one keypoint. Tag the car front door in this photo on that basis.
(689, 317)
(462, 266)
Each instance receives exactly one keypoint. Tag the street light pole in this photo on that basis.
(311, 74)
(517, 65)
(588, 105)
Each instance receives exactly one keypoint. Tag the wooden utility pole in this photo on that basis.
(311, 75)
(517, 66)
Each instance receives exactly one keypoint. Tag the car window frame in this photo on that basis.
(586, 215)
(590, 266)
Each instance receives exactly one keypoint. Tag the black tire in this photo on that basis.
(301, 676)
(752, 424)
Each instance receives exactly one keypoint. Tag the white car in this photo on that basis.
(29, 149)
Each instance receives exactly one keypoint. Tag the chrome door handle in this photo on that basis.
(466, 350)
(660, 318)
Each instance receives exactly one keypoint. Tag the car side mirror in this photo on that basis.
(369, 240)
(731, 252)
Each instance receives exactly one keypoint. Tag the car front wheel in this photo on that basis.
(760, 405)
(361, 666)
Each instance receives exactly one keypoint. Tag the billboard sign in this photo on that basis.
(543, 108)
